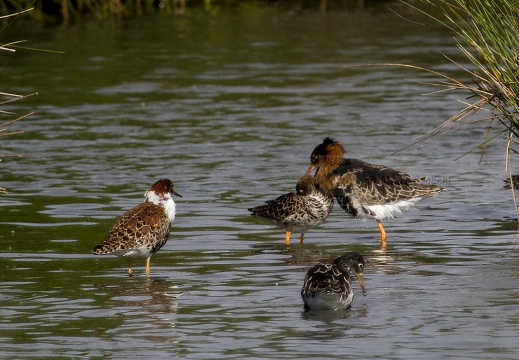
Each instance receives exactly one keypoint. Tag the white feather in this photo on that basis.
(329, 301)
(388, 211)
(166, 201)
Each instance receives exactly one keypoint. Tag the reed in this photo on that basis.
(487, 33)
(69, 11)
(7, 98)
(99, 9)
(12, 118)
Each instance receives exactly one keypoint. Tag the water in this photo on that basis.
(229, 106)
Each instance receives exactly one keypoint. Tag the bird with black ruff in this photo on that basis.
(365, 190)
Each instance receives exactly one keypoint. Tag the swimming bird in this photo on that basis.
(365, 190)
(327, 286)
(306, 208)
(512, 181)
(143, 230)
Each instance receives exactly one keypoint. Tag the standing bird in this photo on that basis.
(143, 230)
(328, 286)
(299, 211)
(365, 190)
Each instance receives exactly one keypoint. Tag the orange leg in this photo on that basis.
(301, 238)
(382, 234)
(130, 272)
(287, 237)
(148, 266)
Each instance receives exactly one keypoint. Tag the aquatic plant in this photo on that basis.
(7, 98)
(69, 10)
(487, 33)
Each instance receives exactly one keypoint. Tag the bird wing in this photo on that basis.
(326, 278)
(137, 227)
(279, 208)
(377, 184)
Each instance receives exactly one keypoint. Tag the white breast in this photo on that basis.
(166, 201)
(170, 208)
(388, 211)
(329, 301)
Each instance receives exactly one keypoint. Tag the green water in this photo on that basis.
(229, 106)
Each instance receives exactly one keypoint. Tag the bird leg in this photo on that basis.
(287, 237)
(301, 238)
(148, 266)
(382, 234)
(130, 272)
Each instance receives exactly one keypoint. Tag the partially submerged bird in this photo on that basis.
(306, 208)
(512, 182)
(327, 286)
(365, 190)
(143, 230)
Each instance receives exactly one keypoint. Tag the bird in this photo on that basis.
(365, 190)
(327, 286)
(512, 182)
(143, 230)
(308, 207)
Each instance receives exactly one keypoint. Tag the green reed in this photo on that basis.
(7, 118)
(487, 33)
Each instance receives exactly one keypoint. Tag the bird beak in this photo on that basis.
(176, 193)
(360, 277)
(310, 169)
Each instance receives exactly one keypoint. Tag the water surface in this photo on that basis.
(229, 106)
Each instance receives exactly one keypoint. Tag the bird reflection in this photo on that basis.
(157, 296)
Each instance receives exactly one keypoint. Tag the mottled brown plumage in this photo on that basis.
(327, 286)
(365, 190)
(143, 230)
(299, 211)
